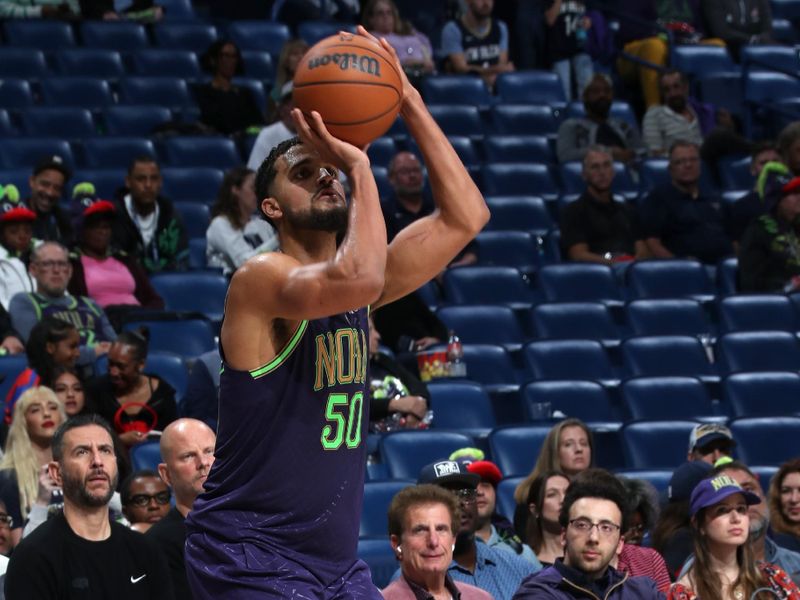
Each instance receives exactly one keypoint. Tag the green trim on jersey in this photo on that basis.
(280, 358)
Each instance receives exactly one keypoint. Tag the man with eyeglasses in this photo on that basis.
(475, 562)
(593, 517)
(51, 269)
(145, 499)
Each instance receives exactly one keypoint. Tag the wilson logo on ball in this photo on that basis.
(345, 61)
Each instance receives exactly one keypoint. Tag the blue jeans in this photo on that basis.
(583, 69)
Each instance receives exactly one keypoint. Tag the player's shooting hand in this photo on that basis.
(409, 91)
(313, 132)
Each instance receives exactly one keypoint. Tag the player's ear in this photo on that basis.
(269, 206)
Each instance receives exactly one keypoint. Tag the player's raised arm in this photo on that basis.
(313, 278)
(421, 250)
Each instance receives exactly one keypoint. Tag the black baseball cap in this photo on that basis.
(52, 162)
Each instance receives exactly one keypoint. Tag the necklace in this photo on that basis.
(738, 593)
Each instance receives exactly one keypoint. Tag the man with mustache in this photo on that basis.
(80, 552)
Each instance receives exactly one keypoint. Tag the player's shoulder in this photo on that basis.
(266, 265)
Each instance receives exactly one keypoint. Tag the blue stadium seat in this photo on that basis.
(579, 282)
(171, 93)
(667, 316)
(134, 120)
(15, 94)
(727, 274)
(515, 449)
(64, 122)
(587, 400)
(526, 213)
(619, 110)
(380, 559)
(19, 177)
(258, 64)
(722, 90)
(177, 9)
(10, 367)
(160, 62)
(6, 128)
(24, 63)
(116, 152)
(531, 87)
(665, 398)
(517, 149)
(313, 31)
(518, 249)
(123, 36)
(106, 181)
(490, 365)
(767, 87)
(735, 173)
(456, 89)
(489, 324)
(455, 119)
(514, 179)
(90, 62)
(381, 151)
(462, 406)
(25, 152)
(43, 34)
(191, 151)
(197, 253)
(572, 178)
(770, 58)
(82, 92)
(759, 351)
(506, 505)
(196, 36)
(754, 312)
(568, 359)
(702, 59)
(406, 452)
(188, 338)
(191, 184)
(193, 292)
(266, 36)
(575, 320)
(658, 478)
(195, 216)
(653, 172)
(171, 368)
(783, 31)
(762, 394)
(785, 9)
(766, 440)
(523, 119)
(487, 285)
(256, 88)
(669, 279)
(656, 356)
(146, 455)
(377, 497)
(656, 444)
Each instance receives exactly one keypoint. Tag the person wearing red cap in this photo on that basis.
(16, 239)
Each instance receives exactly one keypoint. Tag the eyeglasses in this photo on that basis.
(53, 264)
(6, 520)
(585, 526)
(142, 500)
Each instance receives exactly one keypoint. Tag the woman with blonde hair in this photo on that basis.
(37, 415)
(784, 504)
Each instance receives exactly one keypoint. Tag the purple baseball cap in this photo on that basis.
(710, 491)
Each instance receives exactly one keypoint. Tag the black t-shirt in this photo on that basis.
(604, 226)
(562, 41)
(740, 213)
(481, 51)
(169, 534)
(100, 395)
(54, 563)
(228, 111)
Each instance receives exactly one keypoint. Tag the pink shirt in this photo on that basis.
(108, 281)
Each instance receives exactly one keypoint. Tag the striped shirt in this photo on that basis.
(646, 562)
(662, 126)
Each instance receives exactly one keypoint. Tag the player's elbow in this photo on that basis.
(478, 219)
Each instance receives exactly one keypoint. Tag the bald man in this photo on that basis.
(187, 449)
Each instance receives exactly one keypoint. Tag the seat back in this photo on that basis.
(519, 179)
(515, 449)
(191, 184)
(574, 320)
(116, 152)
(460, 405)
(482, 324)
(665, 398)
(377, 497)
(135, 120)
(650, 356)
(380, 558)
(517, 249)
(187, 338)
(195, 151)
(578, 282)
(523, 119)
(530, 87)
(146, 455)
(668, 316)
(457, 119)
(757, 312)
(456, 89)
(762, 394)
(567, 359)
(90, 62)
(123, 36)
(766, 440)
(81, 92)
(510, 213)
(586, 400)
(405, 452)
(759, 351)
(668, 279)
(656, 444)
(192, 292)
(489, 364)
(65, 122)
(486, 285)
(48, 35)
(25, 63)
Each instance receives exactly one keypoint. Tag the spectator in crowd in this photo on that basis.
(82, 549)
(294, 12)
(39, 9)
(27, 452)
(53, 343)
(644, 509)
(477, 43)
(145, 499)
(147, 225)
(382, 19)
(784, 504)
(202, 389)
(724, 565)
(768, 255)
(709, 442)
(16, 242)
(681, 221)
(141, 11)
(224, 106)
(236, 233)
(69, 389)
(9, 339)
(423, 528)
(187, 449)
(114, 280)
(543, 531)
(751, 205)
(596, 227)
(475, 562)
(738, 23)
(672, 535)
(134, 401)
(496, 531)
(47, 183)
(593, 518)
(567, 29)
(398, 399)
(6, 522)
(51, 270)
(292, 53)
(577, 134)
(275, 133)
(789, 147)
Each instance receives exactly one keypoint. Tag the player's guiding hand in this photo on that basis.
(313, 132)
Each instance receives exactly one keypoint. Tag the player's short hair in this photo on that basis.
(595, 483)
(57, 444)
(266, 173)
(414, 495)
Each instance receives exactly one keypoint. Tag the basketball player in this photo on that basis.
(280, 515)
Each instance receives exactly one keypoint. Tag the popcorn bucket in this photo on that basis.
(432, 364)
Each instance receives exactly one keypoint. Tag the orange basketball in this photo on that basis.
(353, 83)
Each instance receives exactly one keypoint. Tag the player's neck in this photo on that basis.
(90, 523)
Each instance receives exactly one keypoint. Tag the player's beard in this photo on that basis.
(316, 218)
(76, 490)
